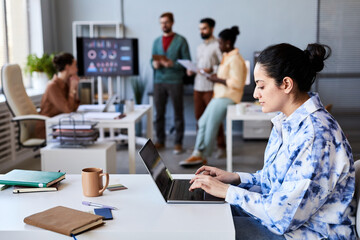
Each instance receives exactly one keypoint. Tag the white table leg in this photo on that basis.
(48, 131)
(228, 144)
(100, 90)
(110, 88)
(149, 125)
(101, 134)
(112, 134)
(131, 148)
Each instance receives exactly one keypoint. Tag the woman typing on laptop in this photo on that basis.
(305, 188)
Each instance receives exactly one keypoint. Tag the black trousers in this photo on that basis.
(247, 228)
(163, 91)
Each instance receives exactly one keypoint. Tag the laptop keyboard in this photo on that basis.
(181, 191)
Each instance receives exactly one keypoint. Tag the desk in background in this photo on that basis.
(127, 122)
(73, 160)
(234, 115)
(142, 213)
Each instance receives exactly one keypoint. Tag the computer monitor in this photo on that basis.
(107, 56)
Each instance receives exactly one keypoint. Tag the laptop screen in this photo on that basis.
(156, 167)
(109, 102)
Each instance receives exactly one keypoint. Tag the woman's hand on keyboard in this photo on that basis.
(219, 174)
(210, 185)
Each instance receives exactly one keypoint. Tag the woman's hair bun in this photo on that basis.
(61, 60)
(317, 54)
(235, 29)
(55, 59)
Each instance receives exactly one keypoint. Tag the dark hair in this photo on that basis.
(61, 60)
(285, 60)
(209, 21)
(230, 34)
(168, 15)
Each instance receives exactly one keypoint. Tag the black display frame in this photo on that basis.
(127, 66)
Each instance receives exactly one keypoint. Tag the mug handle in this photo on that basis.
(106, 183)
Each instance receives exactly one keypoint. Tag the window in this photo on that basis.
(14, 32)
(3, 49)
(339, 28)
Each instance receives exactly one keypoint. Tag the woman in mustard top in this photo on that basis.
(228, 89)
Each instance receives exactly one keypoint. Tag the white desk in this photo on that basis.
(233, 115)
(73, 160)
(142, 213)
(127, 122)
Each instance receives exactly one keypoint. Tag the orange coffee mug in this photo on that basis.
(92, 181)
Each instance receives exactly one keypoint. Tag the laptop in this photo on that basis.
(97, 108)
(172, 190)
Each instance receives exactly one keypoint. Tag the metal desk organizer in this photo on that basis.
(72, 133)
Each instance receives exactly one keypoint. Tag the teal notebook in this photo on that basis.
(31, 178)
(3, 186)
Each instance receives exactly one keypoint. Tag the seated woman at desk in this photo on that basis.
(228, 89)
(305, 189)
(61, 93)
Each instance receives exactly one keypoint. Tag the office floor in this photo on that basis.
(247, 155)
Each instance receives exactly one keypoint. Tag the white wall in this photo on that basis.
(261, 22)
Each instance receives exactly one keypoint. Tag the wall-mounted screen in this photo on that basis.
(107, 56)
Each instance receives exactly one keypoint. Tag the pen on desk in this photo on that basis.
(97, 205)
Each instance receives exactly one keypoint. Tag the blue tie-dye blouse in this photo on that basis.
(305, 189)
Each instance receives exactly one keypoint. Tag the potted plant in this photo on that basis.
(41, 69)
(138, 87)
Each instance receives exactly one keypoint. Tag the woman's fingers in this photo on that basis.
(199, 176)
(210, 185)
(202, 169)
(200, 182)
(208, 170)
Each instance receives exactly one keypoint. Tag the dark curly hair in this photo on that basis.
(61, 60)
(209, 21)
(230, 34)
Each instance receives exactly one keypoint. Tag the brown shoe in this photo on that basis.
(192, 161)
(178, 149)
(159, 146)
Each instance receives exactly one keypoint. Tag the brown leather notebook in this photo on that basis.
(64, 220)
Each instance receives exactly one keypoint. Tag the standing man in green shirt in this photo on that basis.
(168, 80)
